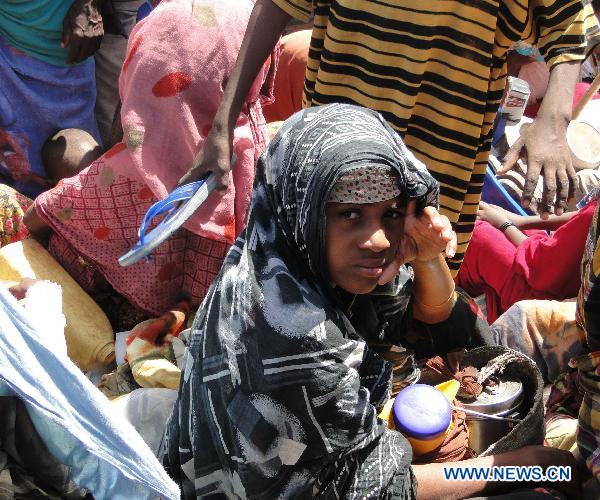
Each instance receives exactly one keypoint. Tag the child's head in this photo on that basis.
(68, 152)
(364, 226)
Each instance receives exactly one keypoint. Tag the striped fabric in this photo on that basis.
(436, 70)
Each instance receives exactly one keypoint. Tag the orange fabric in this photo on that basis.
(289, 78)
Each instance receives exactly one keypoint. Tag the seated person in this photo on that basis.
(64, 155)
(576, 391)
(281, 388)
(507, 265)
(588, 317)
(95, 215)
(47, 78)
(68, 152)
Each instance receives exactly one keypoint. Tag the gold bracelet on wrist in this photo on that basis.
(439, 306)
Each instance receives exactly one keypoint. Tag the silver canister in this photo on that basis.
(502, 398)
(515, 100)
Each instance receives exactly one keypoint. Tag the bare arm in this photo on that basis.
(499, 218)
(552, 223)
(515, 235)
(433, 290)
(496, 216)
(264, 29)
(116, 129)
(432, 485)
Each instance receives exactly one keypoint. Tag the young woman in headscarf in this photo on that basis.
(178, 61)
(281, 387)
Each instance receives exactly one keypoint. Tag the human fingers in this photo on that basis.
(88, 46)
(195, 172)
(411, 208)
(430, 243)
(82, 44)
(75, 48)
(436, 228)
(20, 290)
(211, 158)
(222, 180)
(572, 180)
(406, 252)
(389, 272)
(534, 169)
(549, 191)
(447, 231)
(430, 240)
(512, 156)
(431, 217)
(452, 246)
(563, 184)
(91, 39)
(497, 208)
(446, 238)
(191, 175)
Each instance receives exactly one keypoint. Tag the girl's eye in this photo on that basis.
(350, 214)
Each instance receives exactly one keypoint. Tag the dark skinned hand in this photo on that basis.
(215, 157)
(82, 30)
(544, 143)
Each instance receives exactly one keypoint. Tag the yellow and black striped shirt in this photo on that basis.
(436, 70)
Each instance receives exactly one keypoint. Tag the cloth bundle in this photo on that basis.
(153, 348)
(449, 367)
(105, 455)
(544, 330)
(154, 355)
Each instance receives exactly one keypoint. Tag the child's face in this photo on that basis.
(361, 240)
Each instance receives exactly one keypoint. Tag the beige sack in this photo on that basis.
(90, 338)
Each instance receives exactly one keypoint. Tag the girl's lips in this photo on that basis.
(369, 272)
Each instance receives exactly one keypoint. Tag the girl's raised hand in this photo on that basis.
(426, 236)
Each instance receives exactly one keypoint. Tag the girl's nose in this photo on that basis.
(377, 240)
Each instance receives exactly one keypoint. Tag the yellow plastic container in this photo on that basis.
(423, 446)
(89, 336)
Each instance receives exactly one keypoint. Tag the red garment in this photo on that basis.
(289, 78)
(541, 267)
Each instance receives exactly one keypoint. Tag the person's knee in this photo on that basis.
(68, 152)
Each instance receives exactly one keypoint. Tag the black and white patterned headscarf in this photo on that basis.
(280, 391)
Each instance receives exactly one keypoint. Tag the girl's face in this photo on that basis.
(361, 240)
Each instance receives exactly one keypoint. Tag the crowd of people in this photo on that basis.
(346, 254)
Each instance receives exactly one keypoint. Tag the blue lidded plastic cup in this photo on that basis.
(423, 414)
